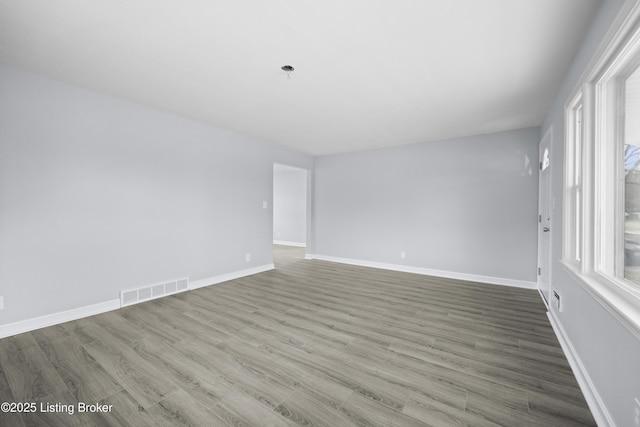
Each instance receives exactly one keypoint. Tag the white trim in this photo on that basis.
(610, 296)
(229, 276)
(308, 256)
(573, 180)
(591, 395)
(544, 300)
(429, 272)
(602, 196)
(545, 264)
(56, 318)
(91, 310)
(286, 243)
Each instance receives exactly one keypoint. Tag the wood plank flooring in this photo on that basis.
(311, 343)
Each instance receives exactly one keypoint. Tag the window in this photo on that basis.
(601, 236)
(617, 183)
(631, 171)
(573, 183)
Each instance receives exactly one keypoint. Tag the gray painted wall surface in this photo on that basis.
(466, 205)
(98, 194)
(289, 204)
(608, 350)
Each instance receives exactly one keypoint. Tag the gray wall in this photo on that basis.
(289, 204)
(98, 194)
(465, 205)
(610, 353)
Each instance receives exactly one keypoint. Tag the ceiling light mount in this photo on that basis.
(287, 69)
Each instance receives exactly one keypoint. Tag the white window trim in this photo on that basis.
(602, 200)
(571, 236)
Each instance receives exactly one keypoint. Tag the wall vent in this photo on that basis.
(128, 297)
(158, 290)
(146, 293)
(170, 287)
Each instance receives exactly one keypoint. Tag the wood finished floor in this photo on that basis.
(310, 343)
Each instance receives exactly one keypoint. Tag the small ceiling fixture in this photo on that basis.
(287, 69)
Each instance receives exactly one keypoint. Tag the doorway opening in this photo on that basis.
(290, 205)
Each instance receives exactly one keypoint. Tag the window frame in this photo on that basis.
(572, 246)
(599, 260)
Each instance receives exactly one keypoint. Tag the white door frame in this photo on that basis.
(545, 207)
(307, 212)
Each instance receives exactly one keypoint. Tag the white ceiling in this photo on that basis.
(368, 73)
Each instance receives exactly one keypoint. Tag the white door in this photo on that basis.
(544, 217)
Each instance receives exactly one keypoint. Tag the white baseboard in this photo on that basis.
(544, 300)
(308, 256)
(428, 272)
(91, 310)
(595, 403)
(56, 318)
(285, 243)
(229, 276)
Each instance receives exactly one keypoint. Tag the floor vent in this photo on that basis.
(146, 293)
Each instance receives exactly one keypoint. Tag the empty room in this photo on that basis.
(336, 213)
